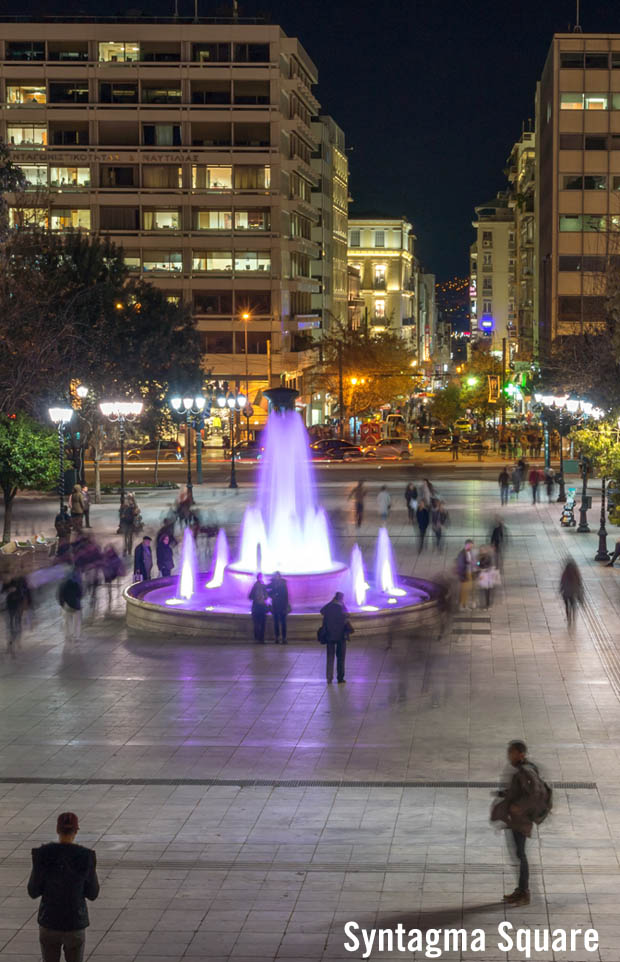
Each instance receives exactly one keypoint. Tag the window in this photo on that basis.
(252, 261)
(594, 263)
(215, 92)
(254, 92)
(251, 220)
(25, 50)
(119, 176)
(615, 59)
(615, 101)
(380, 272)
(596, 101)
(211, 52)
(119, 218)
(487, 238)
(251, 53)
(68, 219)
(72, 92)
(487, 261)
(597, 61)
(69, 176)
(160, 52)
(379, 238)
(487, 307)
(26, 135)
(487, 285)
(35, 174)
(131, 260)
(161, 95)
(61, 135)
(580, 101)
(380, 308)
(355, 238)
(119, 52)
(213, 220)
(208, 177)
(570, 59)
(571, 141)
(162, 261)
(573, 308)
(568, 262)
(28, 217)
(252, 178)
(118, 93)
(217, 261)
(25, 94)
(581, 222)
(161, 219)
(595, 143)
(74, 51)
(587, 182)
(571, 101)
(161, 135)
(213, 302)
(164, 177)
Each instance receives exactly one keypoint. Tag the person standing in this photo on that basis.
(549, 478)
(70, 600)
(571, 589)
(534, 480)
(18, 600)
(516, 478)
(504, 485)
(488, 574)
(615, 555)
(86, 500)
(411, 500)
(77, 508)
(165, 560)
(423, 517)
(465, 572)
(454, 445)
(384, 503)
(337, 629)
(497, 539)
(143, 560)
(278, 592)
(128, 522)
(439, 516)
(258, 596)
(358, 495)
(63, 526)
(63, 876)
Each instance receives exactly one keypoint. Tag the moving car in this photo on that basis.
(334, 449)
(249, 451)
(390, 448)
(168, 451)
(441, 439)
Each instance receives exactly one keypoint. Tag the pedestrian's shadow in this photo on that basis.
(440, 918)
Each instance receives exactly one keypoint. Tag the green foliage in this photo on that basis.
(12, 180)
(28, 459)
(601, 444)
(447, 404)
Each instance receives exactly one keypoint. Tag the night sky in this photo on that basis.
(431, 95)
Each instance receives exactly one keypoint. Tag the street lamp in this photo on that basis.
(245, 317)
(193, 408)
(234, 402)
(61, 417)
(121, 412)
(584, 527)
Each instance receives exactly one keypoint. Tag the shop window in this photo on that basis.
(162, 261)
(252, 178)
(211, 52)
(251, 220)
(70, 219)
(213, 220)
(161, 135)
(26, 135)
(25, 50)
(71, 92)
(25, 94)
(252, 261)
(161, 219)
(114, 52)
(216, 261)
(35, 174)
(118, 93)
(69, 176)
(164, 177)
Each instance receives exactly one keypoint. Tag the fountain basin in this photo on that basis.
(212, 619)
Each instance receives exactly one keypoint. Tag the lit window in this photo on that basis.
(211, 178)
(380, 308)
(487, 307)
(28, 217)
(379, 238)
(162, 261)
(67, 219)
(26, 135)
(615, 101)
(487, 238)
(25, 94)
(131, 260)
(214, 220)
(581, 222)
(355, 238)
(161, 220)
(35, 174)
(571, 101)
(380, 272)
(119, 52)
(596, 101)
(251, 220)
(250, 177)
(70, 177)
(253, 261)
(219, 261)
(161, 135)
(587, 182)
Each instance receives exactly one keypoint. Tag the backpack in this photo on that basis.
(541, 794)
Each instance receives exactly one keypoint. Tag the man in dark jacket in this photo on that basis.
(143, 560)
(278, 592)
(504, 485)
(64, 875)
(258, 596)
(515, 810)
(338, 629)
(165, 561)
(70, 600)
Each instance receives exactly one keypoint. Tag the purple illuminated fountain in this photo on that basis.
(284, 530)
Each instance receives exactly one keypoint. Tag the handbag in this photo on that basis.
(322, 635)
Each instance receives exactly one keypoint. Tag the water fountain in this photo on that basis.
(284, 530)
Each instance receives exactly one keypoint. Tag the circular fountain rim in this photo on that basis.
(337, 567)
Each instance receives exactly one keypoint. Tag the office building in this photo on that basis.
(492, 265)
(577, 182)
(427, 317)
(382, 250)
(331, 199)
(189, 144)
(522, 177)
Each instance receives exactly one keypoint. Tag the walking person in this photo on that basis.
(70, 600)
(516, 478)
(77, 508)
(278, 592)
(337, 630)
(143, 560)
(549, 478)
(534, 481)
(258, 596)
(18, 601)
(113, 568)
(128, 522)
(615, 555)
(504, 485)
(488, 576)
(411, 500)
(439, 517)
(497, 541)
(86, 500)
(358, 495)
(63, 526)
(571, 590)
(465, 571)
(423, 517)
(384, 503)
(454, 445)
(165, 559)
(63, 876)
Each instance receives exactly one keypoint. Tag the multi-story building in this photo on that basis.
(382, 249)
(577, 181)
(331, 199)
(521, 174)
(427, 317)
(189, 144)
(355, 302)
(492, 266)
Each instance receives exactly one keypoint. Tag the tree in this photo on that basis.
(28, 459)
(447, 405)
(601, 445)
(12, 180)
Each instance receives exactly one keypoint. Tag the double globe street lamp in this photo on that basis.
(234, 402)
(121, 412)
(193, 408)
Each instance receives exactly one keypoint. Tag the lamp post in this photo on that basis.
(246, 317)
(583, 507)
(193, 408)
(562, 492)
(121, 412)
(234, 402)
(602, 554)
(61, 417)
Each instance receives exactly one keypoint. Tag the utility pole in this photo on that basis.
(340, 390)
(503, 382)
(269, 372)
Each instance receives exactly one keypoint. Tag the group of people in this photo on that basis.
(512, 480)
(270, 598)
(425, 510)
(482, 567)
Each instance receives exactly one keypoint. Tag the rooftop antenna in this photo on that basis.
(195, 11)
(176, 9)
(577, 27)
(235, 10)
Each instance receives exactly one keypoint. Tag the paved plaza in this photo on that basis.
(241, 809)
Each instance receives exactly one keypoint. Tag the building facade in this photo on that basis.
(492, 272)
(577, 182)
(427, 317)
(331, 199)
(522, 177)
(382, 249)
(189, 144)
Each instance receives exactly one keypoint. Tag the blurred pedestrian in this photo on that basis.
(165, 560)
(504, 485)
(143, 560)
(70, 600)
(423, 517)
(77, 507)
(278, 592)
(63, 526)
(534, 481)
(337, 630)
(86, 500)
(465, 564)
(571, 590)
(439, 517)
(454, 445)
(18, 601)
(63, 875)
(384, 503)
(357, 495)
(113, 569)
(258, 596)
(615, 555)
(549, 475)
(411, 500)
(497, 541)
(488, 575)
(445, 602)
(516, 479)
(129, 522)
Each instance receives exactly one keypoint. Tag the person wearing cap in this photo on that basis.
(63, 875)
(143, 560)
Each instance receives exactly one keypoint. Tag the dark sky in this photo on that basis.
(431, 95)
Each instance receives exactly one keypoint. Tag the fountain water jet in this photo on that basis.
(189, 567)
(220, 560)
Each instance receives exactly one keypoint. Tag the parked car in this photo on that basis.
(334, 449)
(389, 448)
(462, 425)
(441, 439)
(474, 443)
(168, 451)
(249, 451)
